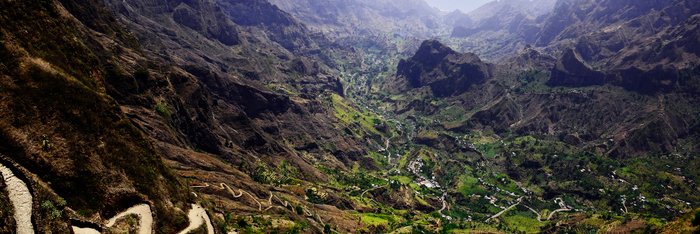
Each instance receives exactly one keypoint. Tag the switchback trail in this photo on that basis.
(271, 205)
(198, 216)
(22, 202)
(145, 215)
(555, 211)
(241, 192)
(564, 208)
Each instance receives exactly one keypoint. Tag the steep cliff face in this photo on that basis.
(442, 69)
(249, 87)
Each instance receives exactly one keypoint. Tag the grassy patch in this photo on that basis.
(350, 115)
(403, 160)
(379, 159)
(523, 224)
(486, 143)
(469, 185)
(533, 82)
(428, 134)
(405, 180)
(489, 150)
(372, 219)
(421, 201)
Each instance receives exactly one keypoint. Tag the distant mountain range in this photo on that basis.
(337, 18)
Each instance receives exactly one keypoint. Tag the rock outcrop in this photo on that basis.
(442, 69)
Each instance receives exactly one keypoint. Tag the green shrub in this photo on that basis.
(49, 207)
(163, 109)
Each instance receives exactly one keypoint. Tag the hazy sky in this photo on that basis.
(463, 5)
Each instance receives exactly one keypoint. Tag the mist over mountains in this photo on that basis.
(463, 6)
(352, 116)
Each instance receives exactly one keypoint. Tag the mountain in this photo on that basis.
(612, 45)
(574, 19)
(599, 29)
(377, 32)
(442, 69)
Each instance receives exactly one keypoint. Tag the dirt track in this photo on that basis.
(21, 200)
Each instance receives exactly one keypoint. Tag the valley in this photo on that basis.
(357, 116)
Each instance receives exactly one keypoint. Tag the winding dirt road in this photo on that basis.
(563, 208)
(270, 205)
(198, 216)
(555, 211)
(520, 199)
(539, 216)
(21, 200)
(444, 206)
(145, 215)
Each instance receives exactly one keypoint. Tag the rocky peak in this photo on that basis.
(442, 69)
(431, 52)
